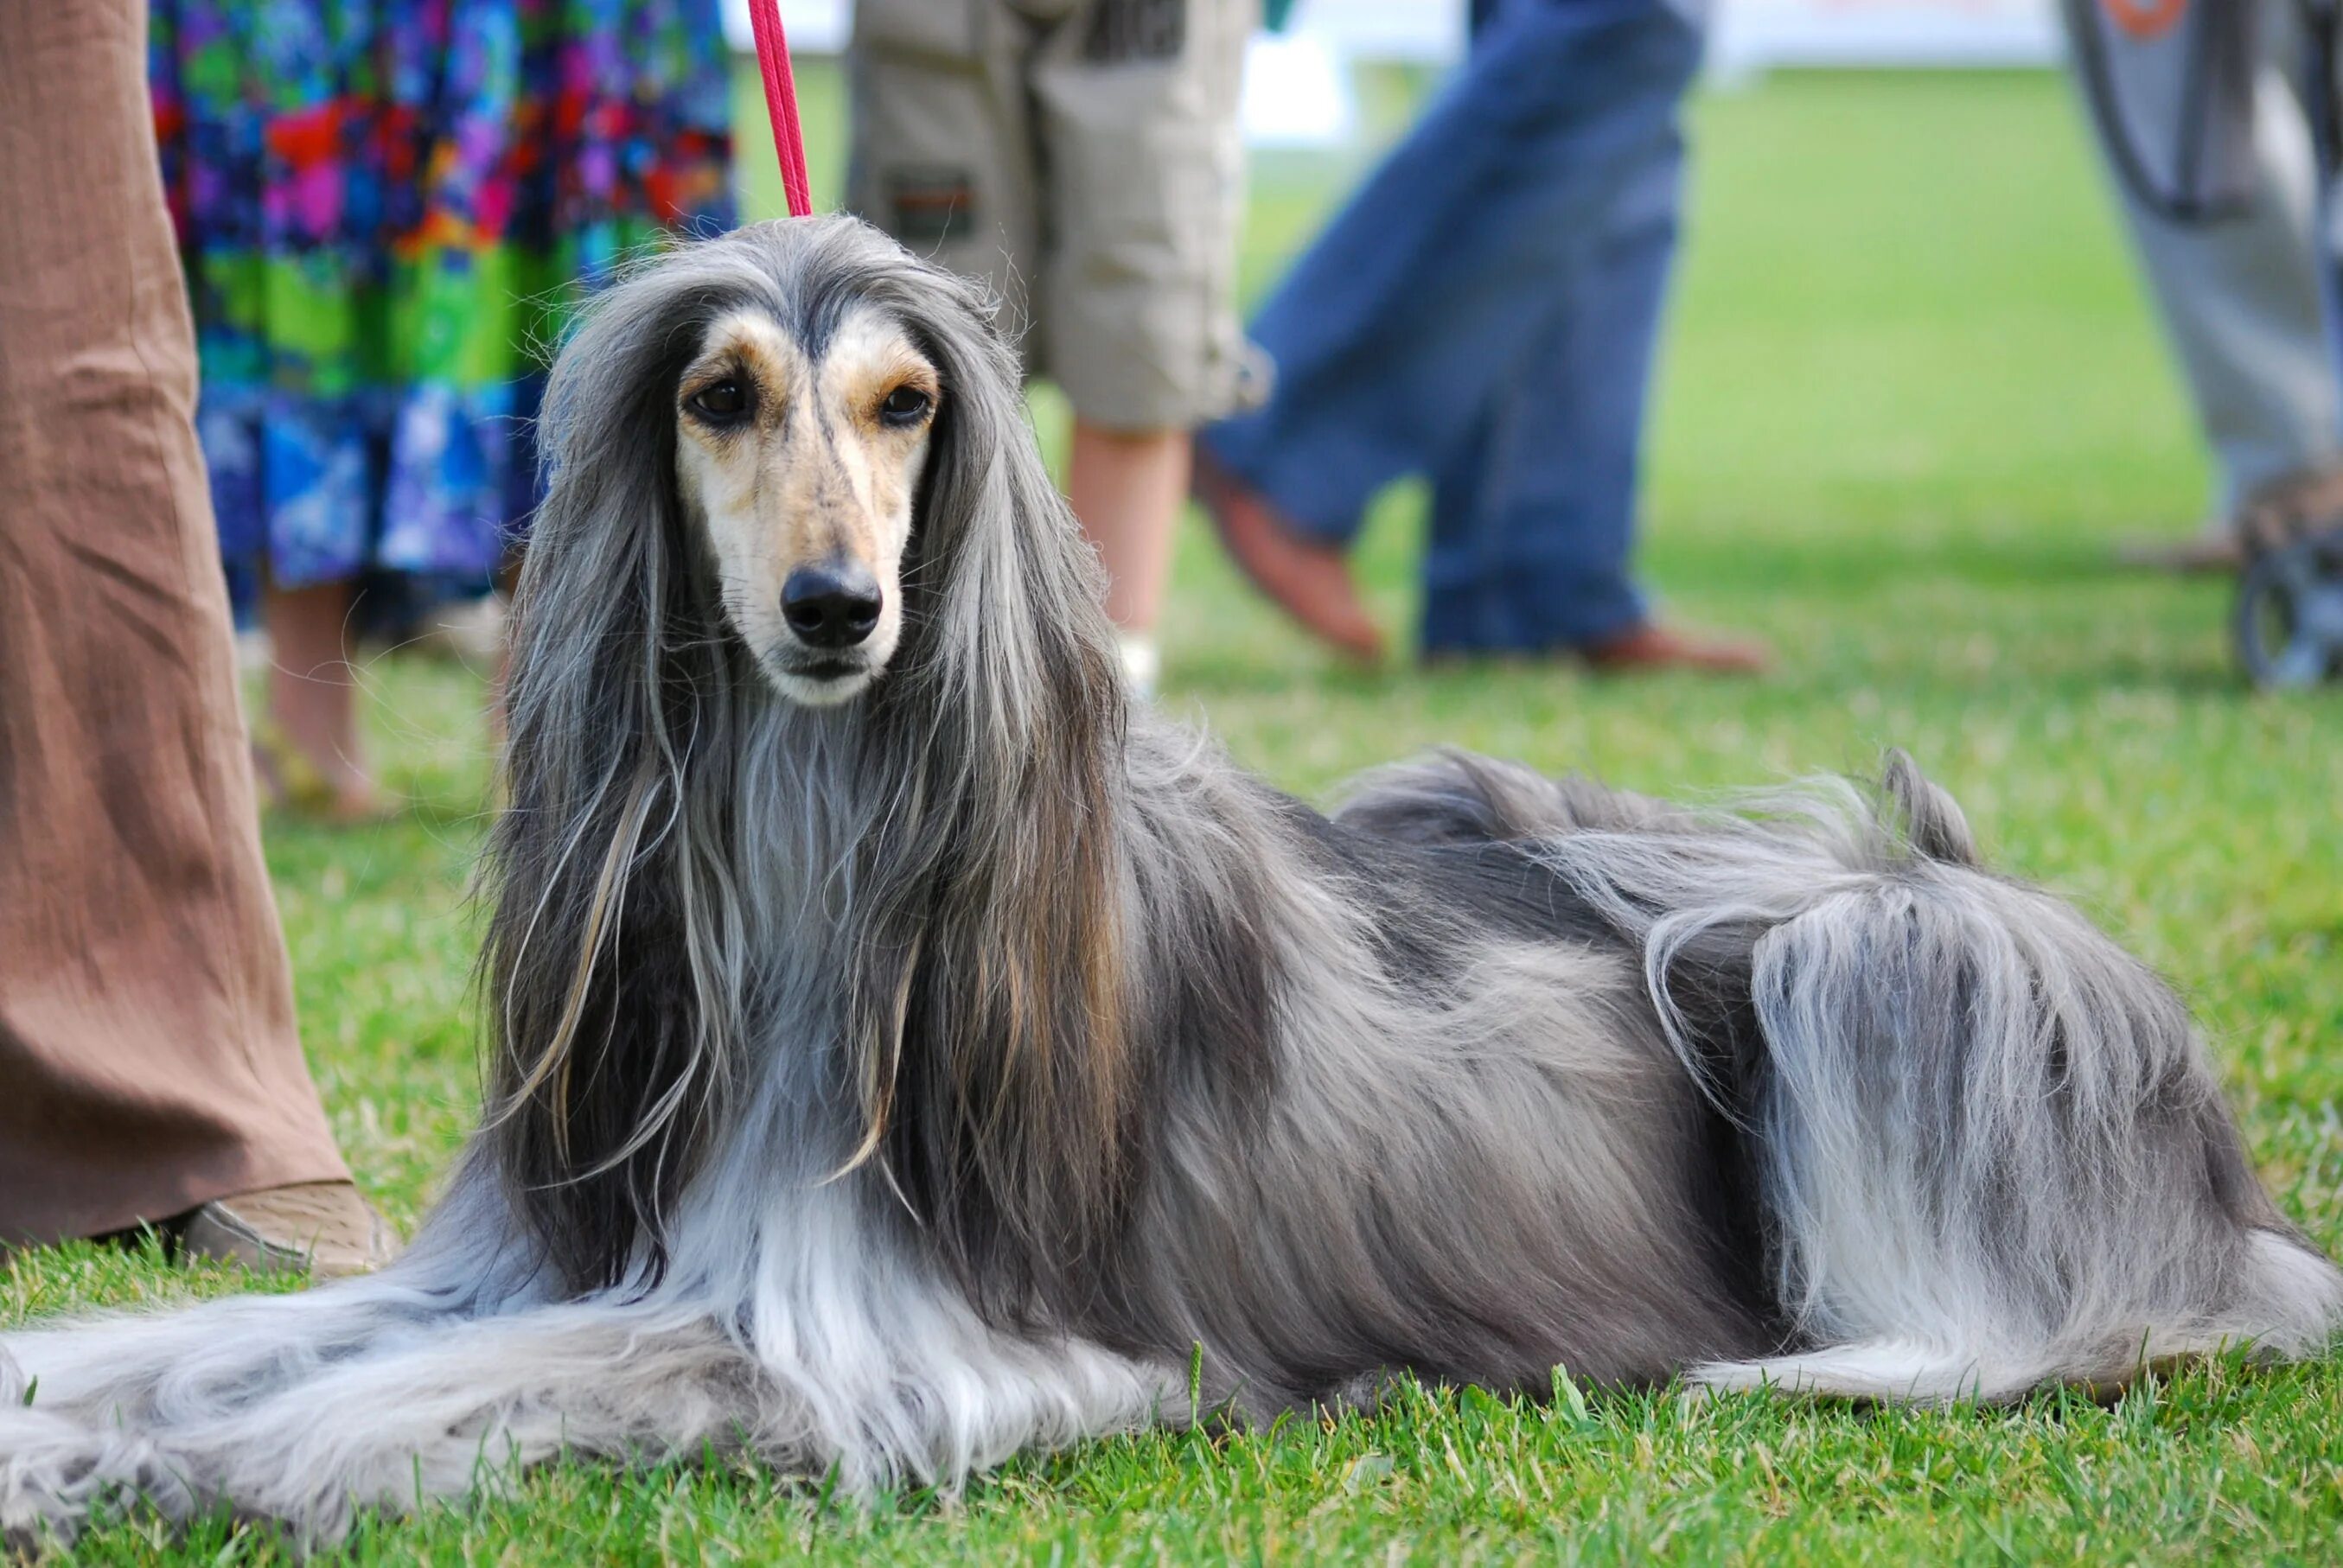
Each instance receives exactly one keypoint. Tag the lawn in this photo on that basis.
(1912, 394)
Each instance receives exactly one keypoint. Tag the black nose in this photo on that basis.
(833, 606)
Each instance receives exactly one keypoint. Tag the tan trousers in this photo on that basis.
(148, 1060)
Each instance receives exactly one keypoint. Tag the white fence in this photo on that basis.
(1297, 87)
(1750, 35)
(1753, 35)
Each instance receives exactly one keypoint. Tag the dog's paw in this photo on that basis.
(55, 1472)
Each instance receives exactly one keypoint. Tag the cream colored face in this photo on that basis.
(801, 470)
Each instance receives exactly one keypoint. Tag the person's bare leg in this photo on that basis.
(1127, 488)
(312, 694)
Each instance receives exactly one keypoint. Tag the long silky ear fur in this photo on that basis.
(988, 1008)
(610, 963)
(985, 998)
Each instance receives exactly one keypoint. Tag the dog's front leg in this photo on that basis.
(86, 1407)
(140, 1368)
(458, 1406)
(92, 1409)
(433, 1409)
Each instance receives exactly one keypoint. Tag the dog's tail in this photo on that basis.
(1991, 1151)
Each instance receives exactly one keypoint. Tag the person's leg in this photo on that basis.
(1461, 536)
(1392, 331)
(2239, 295)
(1398, 334)
(312, 697)
(146, 1036)
(1533, 520)
(1135, 114)
(1563, 516)
(1127, 488)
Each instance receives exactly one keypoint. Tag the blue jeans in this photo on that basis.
(1485, 312)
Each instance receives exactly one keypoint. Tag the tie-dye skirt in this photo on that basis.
(385, 208)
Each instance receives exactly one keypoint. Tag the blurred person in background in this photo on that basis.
(1082, 157)
(1485, 312)
(2203, 112)
(150, 1068)
(380, 205)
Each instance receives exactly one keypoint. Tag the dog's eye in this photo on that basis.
(725, 399)
(904, 405)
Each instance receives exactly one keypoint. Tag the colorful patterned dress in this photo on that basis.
(385, 207)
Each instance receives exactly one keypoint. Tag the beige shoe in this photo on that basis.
(321, 1228)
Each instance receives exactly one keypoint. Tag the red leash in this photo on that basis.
(782, 103)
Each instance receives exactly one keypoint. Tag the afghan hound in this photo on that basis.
(906, 1052)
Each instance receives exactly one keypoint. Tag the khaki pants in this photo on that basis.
(1082, 157)
(148, 1060)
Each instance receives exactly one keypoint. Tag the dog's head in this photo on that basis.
(800, 440)
(794, 503)
(797, 458)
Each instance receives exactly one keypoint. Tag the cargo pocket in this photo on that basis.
(919, 119)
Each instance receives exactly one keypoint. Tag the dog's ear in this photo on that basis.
(597, 965)
(988, 1007)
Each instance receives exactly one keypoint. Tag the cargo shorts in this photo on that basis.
(1082, 157)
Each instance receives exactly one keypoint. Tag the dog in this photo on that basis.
(907, 1052)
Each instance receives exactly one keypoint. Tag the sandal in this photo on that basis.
(293, 783)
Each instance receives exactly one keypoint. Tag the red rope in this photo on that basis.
(782, 103)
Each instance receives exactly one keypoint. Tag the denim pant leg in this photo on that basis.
(1533, 520)
(1394, 331)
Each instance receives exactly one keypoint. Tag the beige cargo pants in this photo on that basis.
(1082, 156)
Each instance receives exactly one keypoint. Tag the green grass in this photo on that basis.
(1911, 396)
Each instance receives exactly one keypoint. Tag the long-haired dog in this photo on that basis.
(906, 1054)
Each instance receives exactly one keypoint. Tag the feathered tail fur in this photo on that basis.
(1992, 1152)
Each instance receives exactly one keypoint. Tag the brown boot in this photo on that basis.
(2202, 555)
(1651, 646)
(2274, 515)
(1310, 581)
(322, 1228)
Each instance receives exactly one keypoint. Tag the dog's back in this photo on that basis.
(1988, 1149)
